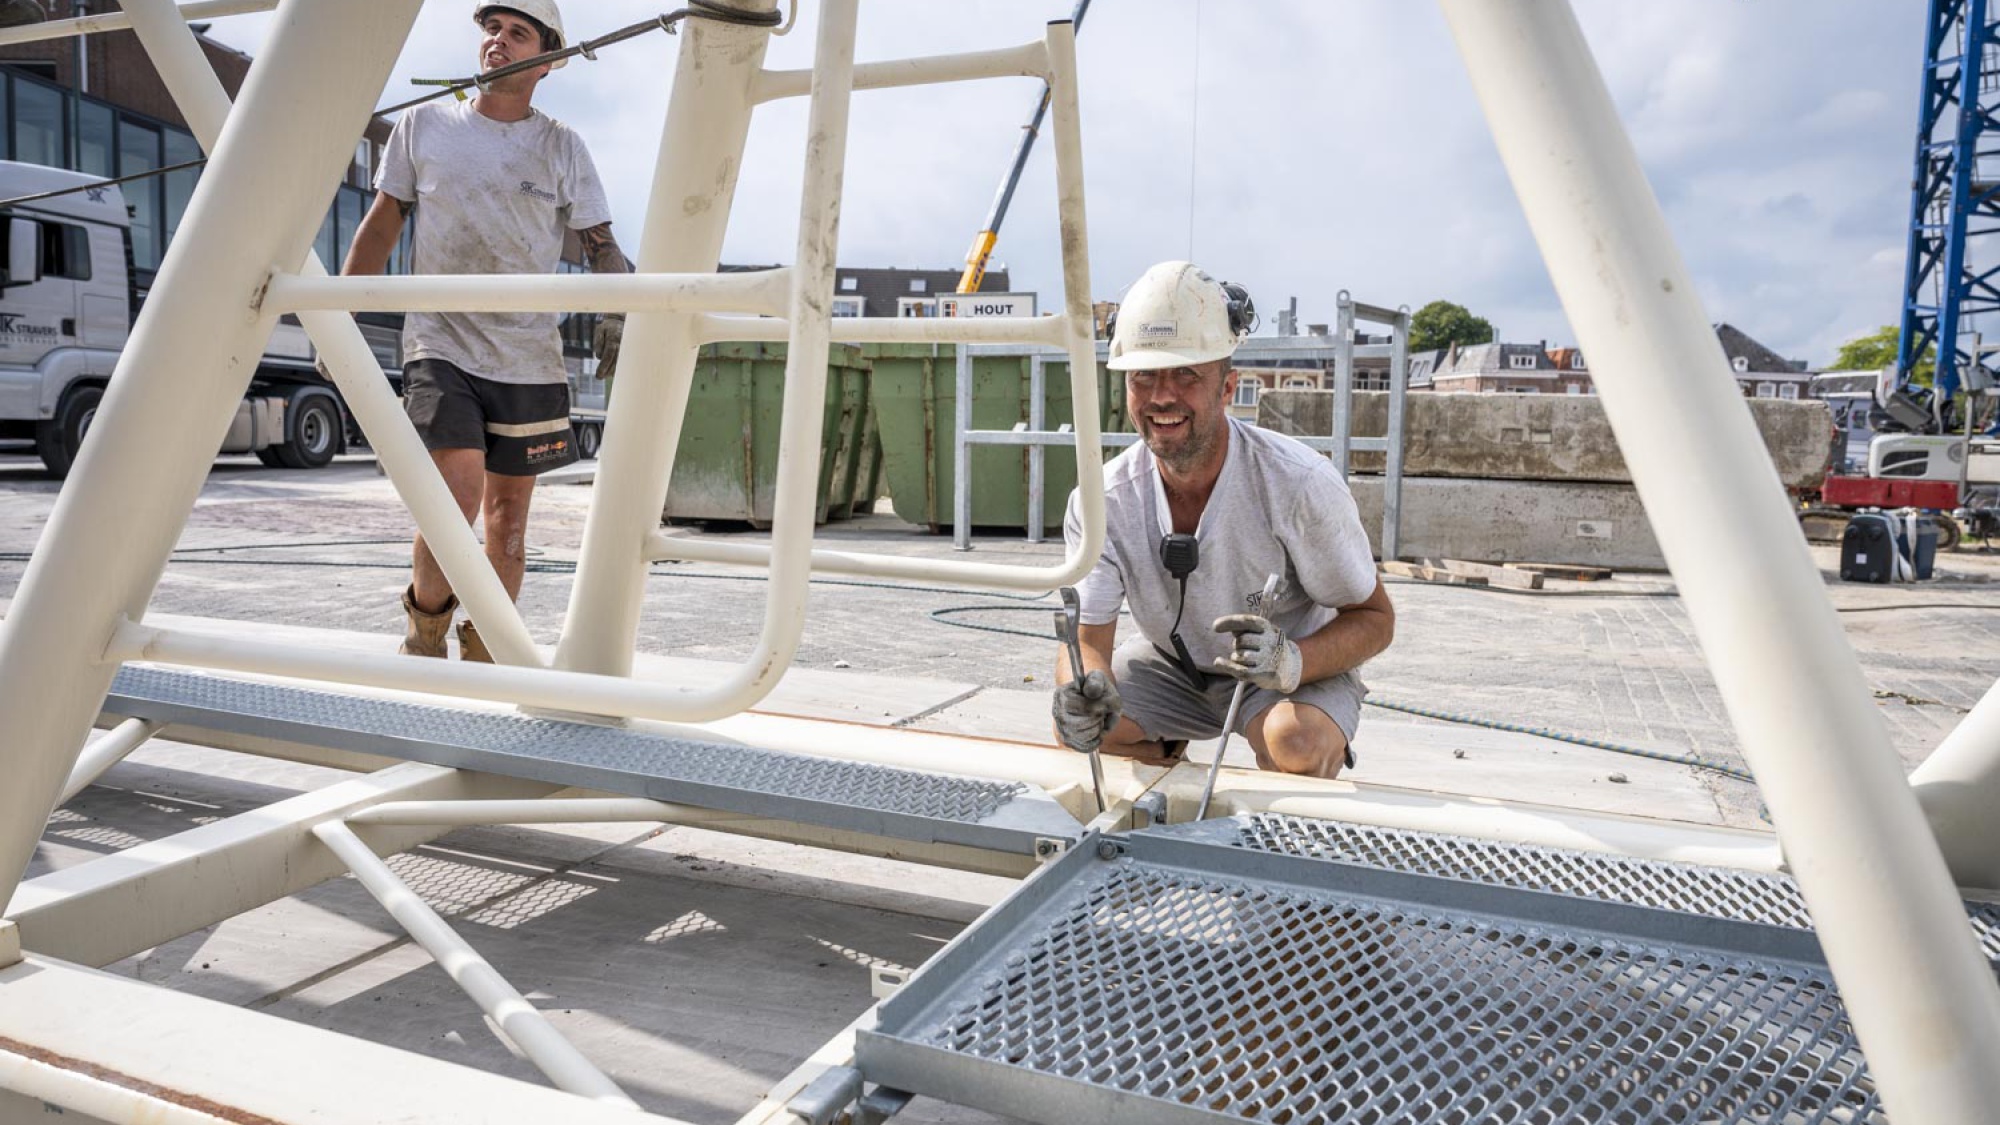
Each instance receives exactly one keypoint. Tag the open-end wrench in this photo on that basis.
(1235, 705)
(1068, 621)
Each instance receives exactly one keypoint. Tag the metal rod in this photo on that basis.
(1396, 437)
(961, 454)
(119, 21)
(1343, 385)
(515, 1017)
(693, 190)
(1959, 787)
(106, 751)
(176, 387)
(1005, 576)
(1038, 468)
(352, 366)
(1921, 997)
(1229, 720)
(753, 291)
(1067, 146)
(1052, 331)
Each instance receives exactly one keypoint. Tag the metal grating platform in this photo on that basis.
(1168, 980)
(854, 796)
(1714, 892)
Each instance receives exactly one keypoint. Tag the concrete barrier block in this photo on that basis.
(1531, 436)
(1581, 524)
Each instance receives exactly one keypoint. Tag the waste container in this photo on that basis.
(727, 464)
(914, 389)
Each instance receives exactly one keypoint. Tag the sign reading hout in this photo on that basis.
(987, 304)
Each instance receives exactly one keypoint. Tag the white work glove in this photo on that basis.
(1262, 655)
(1085, 710)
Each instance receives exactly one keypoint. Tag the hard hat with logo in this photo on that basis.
(1177, 316)
(543, 12)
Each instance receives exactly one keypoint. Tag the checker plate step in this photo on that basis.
(854, 796)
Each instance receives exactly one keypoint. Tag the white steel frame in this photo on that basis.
(1921, 998)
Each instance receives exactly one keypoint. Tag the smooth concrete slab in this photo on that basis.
(1515, 521)
(1530, 436)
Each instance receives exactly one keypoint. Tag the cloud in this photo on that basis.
(1303, 147)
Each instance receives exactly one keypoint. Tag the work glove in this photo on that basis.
(1085, 709)
(1263, 655)
(604, 341)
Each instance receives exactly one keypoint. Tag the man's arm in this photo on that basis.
(373, 243)
(600, 250)
(1361, 632)
(1097, 642)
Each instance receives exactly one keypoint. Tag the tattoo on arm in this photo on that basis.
(601, 251)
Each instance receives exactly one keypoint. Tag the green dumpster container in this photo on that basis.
(727, 464)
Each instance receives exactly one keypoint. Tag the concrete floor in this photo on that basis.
(698, 968)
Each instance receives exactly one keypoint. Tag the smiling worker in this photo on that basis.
(1200, 513)
(497, 183)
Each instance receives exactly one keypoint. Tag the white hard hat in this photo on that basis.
(543, 12)
(1173, 316)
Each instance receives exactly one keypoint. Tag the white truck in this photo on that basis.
(68, 297)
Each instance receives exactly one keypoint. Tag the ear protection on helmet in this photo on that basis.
(1242, 311)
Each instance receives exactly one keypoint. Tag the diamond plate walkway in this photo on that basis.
(1279, 970)
(850, 796)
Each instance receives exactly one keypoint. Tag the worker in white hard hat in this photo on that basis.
(499, 185)
(1200, 513)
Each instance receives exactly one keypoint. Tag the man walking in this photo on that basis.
(498, 183)
(1199, 514)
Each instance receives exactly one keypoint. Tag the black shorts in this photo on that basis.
(523, 427)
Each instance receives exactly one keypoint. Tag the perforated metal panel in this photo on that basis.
(1715, 892)
(881, 800)
(1185, 982)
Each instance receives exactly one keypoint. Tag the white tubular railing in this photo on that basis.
(176, 387)
(1049, 330)
(1959, 788)
(1029, 60)
(517, 1019)
(353, 368)
(1922, 999)
(119, 21)
(106, 751)
(758, 291)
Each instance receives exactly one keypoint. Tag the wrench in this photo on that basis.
(1068, 620)
(1235, 704)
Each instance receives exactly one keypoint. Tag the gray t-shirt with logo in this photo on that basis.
(1277, 508)
(492, 197)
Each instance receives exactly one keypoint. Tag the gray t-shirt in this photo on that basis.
(1278, 508)
(492, 197)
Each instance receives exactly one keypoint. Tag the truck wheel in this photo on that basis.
(588, 438)
(269, 456)
(1949, 533)
(312, 432)
(59, 439)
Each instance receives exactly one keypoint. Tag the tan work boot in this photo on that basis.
(426, 633)
(470, 647)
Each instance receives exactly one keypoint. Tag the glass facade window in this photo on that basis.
(139, 151)
(347, 203)
(38, 124)
(97, 129)
(180, 148)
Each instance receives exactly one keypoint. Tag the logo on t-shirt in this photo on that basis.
(528, 188)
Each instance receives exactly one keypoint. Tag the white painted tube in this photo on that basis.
(64, 1091)
(1067, 135)
(687, 213)
(517, 1019)
(1052, 331)
(748, 292)
(118, 21)
(1922, 999)
(861, 564)
(1959, 788)
(105, 751)
(563, 810)
(352, 366)
(175, 389)
(1029, 60)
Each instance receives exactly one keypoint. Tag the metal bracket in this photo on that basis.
(823, 1099)
(1048, 849)
(10, 944)
(885, 981)
(1149, 810)
(880, 1104)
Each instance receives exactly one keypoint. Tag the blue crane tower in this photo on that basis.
(1953, 262)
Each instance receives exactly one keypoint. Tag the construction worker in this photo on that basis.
(498, 183)
(1200, 513)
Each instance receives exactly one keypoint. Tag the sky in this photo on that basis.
(1303, 147)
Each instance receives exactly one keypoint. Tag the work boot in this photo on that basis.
(470, 647)
(426, 633)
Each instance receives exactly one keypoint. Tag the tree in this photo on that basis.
(1442, 324)
(1877, 350)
